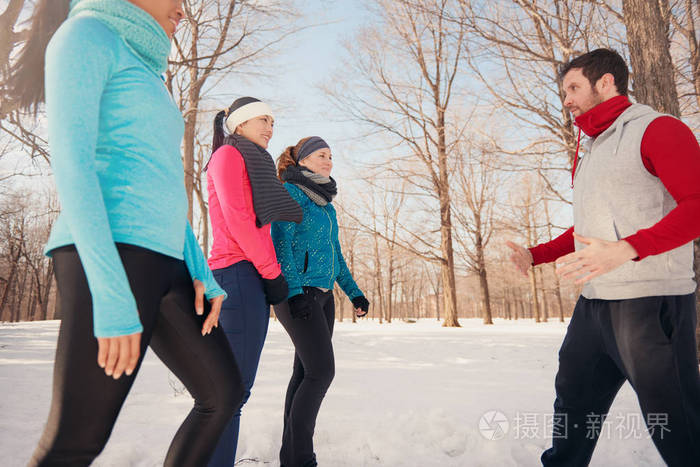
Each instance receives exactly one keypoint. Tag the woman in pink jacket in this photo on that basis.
(245, 195)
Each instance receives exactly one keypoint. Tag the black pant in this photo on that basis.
(314, 368)
(649, 342)
(86, 402)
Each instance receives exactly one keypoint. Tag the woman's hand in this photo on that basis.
(299, 306)
(361, 305)
(212, 320)
(118, 355)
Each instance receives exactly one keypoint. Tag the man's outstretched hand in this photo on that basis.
(597, 258)
(520, 257)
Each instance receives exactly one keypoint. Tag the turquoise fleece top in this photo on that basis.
(309, 252)
(114, 137)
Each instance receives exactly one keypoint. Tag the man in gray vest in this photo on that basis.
(636, 200)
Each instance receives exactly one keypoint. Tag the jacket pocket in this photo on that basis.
(306, 262)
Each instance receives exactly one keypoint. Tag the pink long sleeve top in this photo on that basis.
(236, 237)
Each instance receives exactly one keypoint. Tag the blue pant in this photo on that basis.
(244, 319)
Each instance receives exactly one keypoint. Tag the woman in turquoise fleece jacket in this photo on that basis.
(312, 262)
(129, 270)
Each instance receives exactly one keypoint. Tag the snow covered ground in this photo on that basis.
(404, 395)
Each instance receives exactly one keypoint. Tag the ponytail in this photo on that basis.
(289, 157)
(26, 82)
(285, 160)
(219, 135)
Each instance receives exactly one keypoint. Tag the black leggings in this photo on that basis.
(314, 368)
(86, 401)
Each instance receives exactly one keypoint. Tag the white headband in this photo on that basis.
(245, 113)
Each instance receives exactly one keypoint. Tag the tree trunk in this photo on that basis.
(378, 277)
(32, 305)
(693, 49)
(48, 283)
(485, 299)
(531, 238)
(544, 305)
(534, 304)
(483, 281)
(193, 99)
(647, 36)
(188, 158)
(522, 309)
(447, 266)
(19, 295)
(437, 296)
(340, 304)
(390, 289)
(557, 293)
(204, 216)
(14, 259)
(352, 272)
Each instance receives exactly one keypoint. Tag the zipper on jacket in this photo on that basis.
(306, 262)
(332, 248)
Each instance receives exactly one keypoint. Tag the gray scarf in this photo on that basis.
(321, 190)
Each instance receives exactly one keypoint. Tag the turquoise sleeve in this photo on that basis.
(282, 236)
(79, 62)
(198, 267)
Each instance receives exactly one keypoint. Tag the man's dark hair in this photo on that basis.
(598, 62)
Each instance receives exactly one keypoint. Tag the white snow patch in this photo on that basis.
(405, 394)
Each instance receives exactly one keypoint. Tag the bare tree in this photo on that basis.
(349, 238)
(26, 275)
(683, 19)
(219, 39)
(521, 45)
(409, 88)
(475, 200)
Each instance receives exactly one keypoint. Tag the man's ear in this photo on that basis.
(607, 83)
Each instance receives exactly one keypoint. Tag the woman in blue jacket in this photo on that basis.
(129, 270)
(312, 262)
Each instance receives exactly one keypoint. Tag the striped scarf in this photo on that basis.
(321, 190)
(271, 201)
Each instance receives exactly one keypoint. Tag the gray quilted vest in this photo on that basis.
(614, 197)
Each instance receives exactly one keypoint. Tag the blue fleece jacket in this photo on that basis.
(114, 136)
(309, 252)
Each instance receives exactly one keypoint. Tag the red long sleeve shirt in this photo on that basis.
(669, 151)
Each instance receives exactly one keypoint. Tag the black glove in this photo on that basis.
(362, 303)
(300, 306)
(276, 289)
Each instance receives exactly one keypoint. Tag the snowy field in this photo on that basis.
(404, 395)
